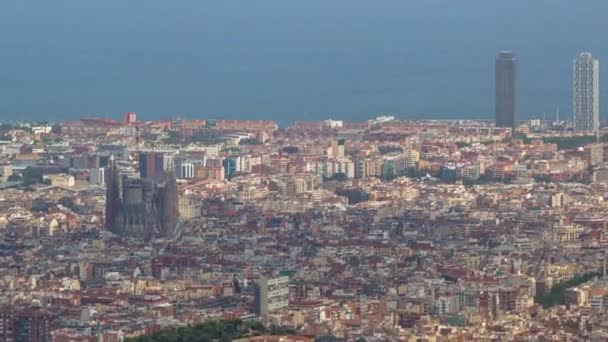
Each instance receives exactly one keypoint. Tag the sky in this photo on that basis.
(289, 60)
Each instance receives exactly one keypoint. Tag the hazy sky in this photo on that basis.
(284, 59)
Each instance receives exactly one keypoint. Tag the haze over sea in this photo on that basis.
(290, 60)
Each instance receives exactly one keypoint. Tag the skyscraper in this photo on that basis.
(24, 324)
(586, 102)
(271, 295)
(506, 90)
(151, 164)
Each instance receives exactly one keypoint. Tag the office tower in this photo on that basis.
(230, 167)
(594, 153)
(189, 207)
(148, 207)
(337, 149)
(213, 169)
(169, 162)
(97, 176)
(129, 118)
(113, 195)
(24, 325)
(187, 170)
(522, 174)
(586, 93)
(412, 157)
(271, 295)
(151, 164)
(506, 89)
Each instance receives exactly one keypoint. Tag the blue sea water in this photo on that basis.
(288, 60)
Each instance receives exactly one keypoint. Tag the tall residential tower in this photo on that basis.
(506, 90)
(586, 102)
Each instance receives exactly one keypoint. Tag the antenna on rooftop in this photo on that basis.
(557, 115)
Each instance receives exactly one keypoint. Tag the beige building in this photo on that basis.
(566, 233)
(61, 180)
(189, 207)
(412, 157)
(559, 199)
(6, 170)
(594, 154)
(336, 149)
(601, 176)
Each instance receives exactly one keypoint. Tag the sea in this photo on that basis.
(290, 60)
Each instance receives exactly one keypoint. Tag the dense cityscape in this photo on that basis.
(382, 230)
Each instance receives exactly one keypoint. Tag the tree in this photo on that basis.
(340, 177)
(209, 331)
(278, 330)
(56, 129)
(291, 149)
(568, 143)
(557, 295)
(386, 149)
(13, 178)
(354, 196)
(231, 149)
(250, 141)
(172, 138)
(40, 205)
(522, 137)
(206, 139)
(66, 202)
(5, 128)
(32, 176)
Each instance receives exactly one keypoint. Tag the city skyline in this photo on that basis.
(323, 222)
(348, 72)
(312, 171)
(586, 94)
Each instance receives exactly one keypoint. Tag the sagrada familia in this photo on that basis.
(141, 208)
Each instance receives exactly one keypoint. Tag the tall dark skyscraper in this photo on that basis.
(506, 89)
